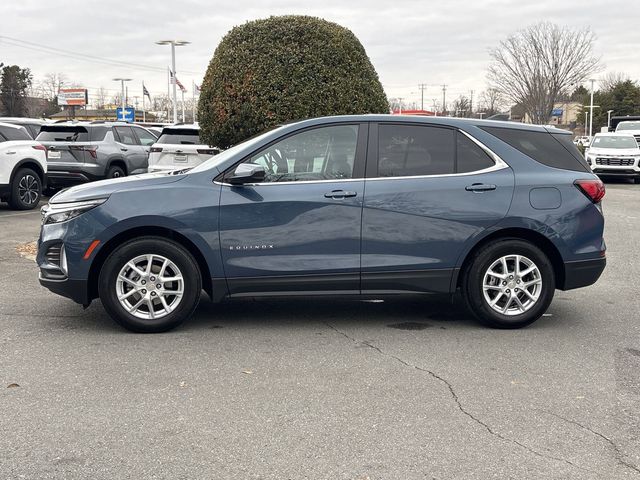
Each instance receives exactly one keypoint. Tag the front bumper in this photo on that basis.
(76, 290)
(582, 273)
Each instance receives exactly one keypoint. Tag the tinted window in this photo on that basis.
(553, 150)
(146, 138)
(175, 136)
(63, 134)
(98, 133)
(408, 150)
(32, 129)
(125, 135)
(470, 157)
(14, 133)
(324, 153)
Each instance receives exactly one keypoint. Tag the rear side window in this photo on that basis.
(146, 138)
(63, 134)
(470, 157)
(411, 150)
(14, 133)
(553, 150)
(97, 134)
(176, 136)
(125, 135)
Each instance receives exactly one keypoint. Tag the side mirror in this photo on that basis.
(247, 173)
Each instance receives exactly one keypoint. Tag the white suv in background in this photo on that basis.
(614, 155)
(23, 167)
(178, 147)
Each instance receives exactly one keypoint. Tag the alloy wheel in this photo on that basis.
(512, 285)
(28, 189)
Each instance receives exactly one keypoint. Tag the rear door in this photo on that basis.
(299, 229)
(133, 153)
(429, 189)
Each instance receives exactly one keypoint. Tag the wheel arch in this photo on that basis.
(117, 162)
(531, 236)
(146, 231)
(33, 165)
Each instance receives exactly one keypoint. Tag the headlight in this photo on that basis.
(61, 212)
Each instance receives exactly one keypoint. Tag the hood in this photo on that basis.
(104, 188)
(614, 152)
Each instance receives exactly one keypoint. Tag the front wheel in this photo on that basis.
(150, 285)
(116, 172)
(508, 284)
(26, 190)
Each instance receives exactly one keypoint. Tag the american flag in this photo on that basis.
(196, 88)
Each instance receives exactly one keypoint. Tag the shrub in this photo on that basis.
(271, 71)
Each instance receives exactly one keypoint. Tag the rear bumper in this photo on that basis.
(66, 179)
(5, 190)
(582, 273)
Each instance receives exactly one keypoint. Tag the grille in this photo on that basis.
(55, 266)
(53, 255)
(623, 162)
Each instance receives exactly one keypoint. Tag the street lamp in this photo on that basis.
(609, 119)
(122, 80)
(591, 113)
(174, 44)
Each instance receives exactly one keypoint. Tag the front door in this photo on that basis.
(299, 229)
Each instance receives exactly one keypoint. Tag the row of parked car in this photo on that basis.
(36, 155)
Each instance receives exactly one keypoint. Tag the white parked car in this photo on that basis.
(614, 155)
(23, 167)
(178, 147)
(629, 126)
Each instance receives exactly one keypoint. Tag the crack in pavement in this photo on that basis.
(618, 453)
(456, 399)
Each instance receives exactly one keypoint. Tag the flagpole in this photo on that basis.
(182, 92)
(168, 92)
(144, 113)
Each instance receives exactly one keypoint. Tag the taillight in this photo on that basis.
(593, 189)
(208, 151)
(39, 147)
(156, 149)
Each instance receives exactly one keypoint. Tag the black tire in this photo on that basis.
(26, 190)
(116, 172)
(473, 277)
(145, 246)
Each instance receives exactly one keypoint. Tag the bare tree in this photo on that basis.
(533, 66)
(51, 84)
(100, 98)
(491, 101)
(611, 80)
(461, 106)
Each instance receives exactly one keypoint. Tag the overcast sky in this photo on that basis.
(409, 42)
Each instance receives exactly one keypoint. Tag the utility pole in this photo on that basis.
(122, 95)
(400, 105)
(444, 100)
(471, 105)
(422, 87)
(609, 119)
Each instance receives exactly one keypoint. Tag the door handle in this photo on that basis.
(124, 149)
(479, 187)
(12, 152)
(339, 194)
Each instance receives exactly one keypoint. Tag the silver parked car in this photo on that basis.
(82, 152)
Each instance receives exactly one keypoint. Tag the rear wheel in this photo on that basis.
(26, 190)
(508, 284)
(116, 172)
(150, 285)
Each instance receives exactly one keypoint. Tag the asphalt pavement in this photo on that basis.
(407, 388)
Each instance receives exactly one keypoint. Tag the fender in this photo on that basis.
(39, 170)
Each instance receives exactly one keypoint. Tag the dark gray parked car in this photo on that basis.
(82, 152)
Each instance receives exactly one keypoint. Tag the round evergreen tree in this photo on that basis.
(268, 72)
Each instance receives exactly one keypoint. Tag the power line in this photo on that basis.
(15, 42)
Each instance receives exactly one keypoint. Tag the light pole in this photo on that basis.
(591, 112)
(174, 44)
(586, 122)
(122, 80)
(609, 119)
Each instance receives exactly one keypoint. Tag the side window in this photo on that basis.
(324, 153)
(126, 135)
(145, 137)
(11, 133)
(470, 157)
(411, 150)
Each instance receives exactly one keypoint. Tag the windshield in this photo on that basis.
(227, 154)
(628, 126)
(619, 141)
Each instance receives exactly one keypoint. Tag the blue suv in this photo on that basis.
(352, 205)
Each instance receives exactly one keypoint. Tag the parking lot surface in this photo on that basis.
(408, 388)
